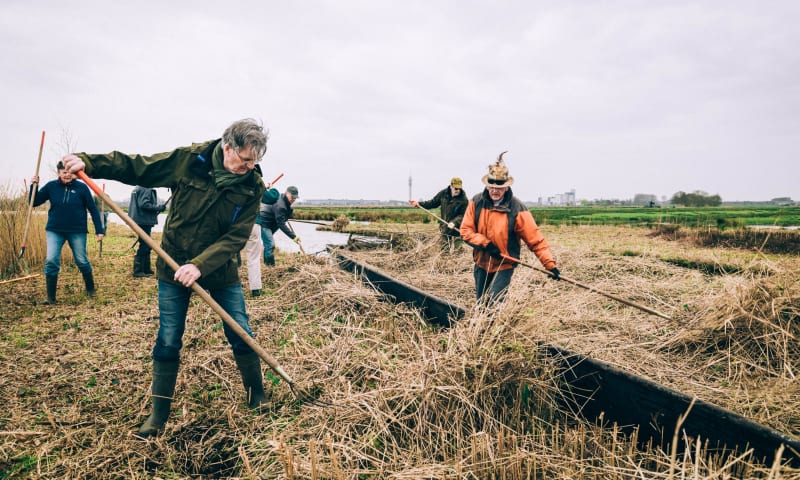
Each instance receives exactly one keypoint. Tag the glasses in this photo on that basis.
(495, 181)
(250, 161)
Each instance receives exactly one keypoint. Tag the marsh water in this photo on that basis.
(313, 240)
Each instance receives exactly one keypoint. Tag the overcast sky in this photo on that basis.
(610, 98)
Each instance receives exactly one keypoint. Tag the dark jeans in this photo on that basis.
(269, 245)
(491, 287)
(144, 249)
(173, 303)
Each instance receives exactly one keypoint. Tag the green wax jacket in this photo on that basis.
(206, 226)
(452, 209)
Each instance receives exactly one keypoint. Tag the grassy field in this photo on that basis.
(720, 217)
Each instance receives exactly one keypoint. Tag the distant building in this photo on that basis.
(782, 201)
(566, 199)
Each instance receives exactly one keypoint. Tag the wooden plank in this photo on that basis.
(595, 388)
(434, 309)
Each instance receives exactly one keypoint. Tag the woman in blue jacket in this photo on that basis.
(66, 222)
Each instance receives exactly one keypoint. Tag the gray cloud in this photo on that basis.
(610, 98)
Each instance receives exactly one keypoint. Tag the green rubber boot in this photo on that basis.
(51, 281)
(164, 376)
(88, 280)
(250, 367)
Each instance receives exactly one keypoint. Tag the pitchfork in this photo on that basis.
(34, 186)
(301, 396)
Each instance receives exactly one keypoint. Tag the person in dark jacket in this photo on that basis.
(144, 210)
(273, 218)
(452, 202)
(70, 199)
(214, 205)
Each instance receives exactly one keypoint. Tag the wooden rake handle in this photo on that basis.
(33, 196)
(229, 321)
(437, 217)
(590, 288)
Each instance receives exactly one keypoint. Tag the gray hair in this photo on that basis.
(247, 132)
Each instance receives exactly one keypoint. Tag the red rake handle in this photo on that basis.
(276, 367)
(272, 183)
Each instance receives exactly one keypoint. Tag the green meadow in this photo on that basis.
(699, 217)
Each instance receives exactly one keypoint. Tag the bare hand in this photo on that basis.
(99, 237)
(35, 179)
(414, 203)
(187, 274)
(73, 163)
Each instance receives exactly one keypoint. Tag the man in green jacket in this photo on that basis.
(215, 198)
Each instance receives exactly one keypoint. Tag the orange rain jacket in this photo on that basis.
(493, 227)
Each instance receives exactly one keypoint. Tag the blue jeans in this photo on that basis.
(173, 303)
(491, 287)
(269, 245)
(55, 242)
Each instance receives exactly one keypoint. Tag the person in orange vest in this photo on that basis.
(495, 224)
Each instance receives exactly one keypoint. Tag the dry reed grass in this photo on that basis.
(770, 241)
(412, 401)
(340, 223)
(732, 340)
(13, 216)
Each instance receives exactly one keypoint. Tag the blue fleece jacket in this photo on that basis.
(68, 205)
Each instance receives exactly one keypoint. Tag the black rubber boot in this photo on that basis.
(138, 269)
(147, 266)
(88, 280)
(269, 261)
(51, 282)
(250, 367)
(164, 376)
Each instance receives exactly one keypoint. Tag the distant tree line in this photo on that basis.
(696, 199)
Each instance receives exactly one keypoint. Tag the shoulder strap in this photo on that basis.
(478, 201)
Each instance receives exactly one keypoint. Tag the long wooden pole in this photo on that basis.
(229, 321)
(34, 186)
(102, 219)
(434, 215)
(295, 236)
(312, 222)
(20, 278)
(590, 288)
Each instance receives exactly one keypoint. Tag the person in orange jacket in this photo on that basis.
(495, 224)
